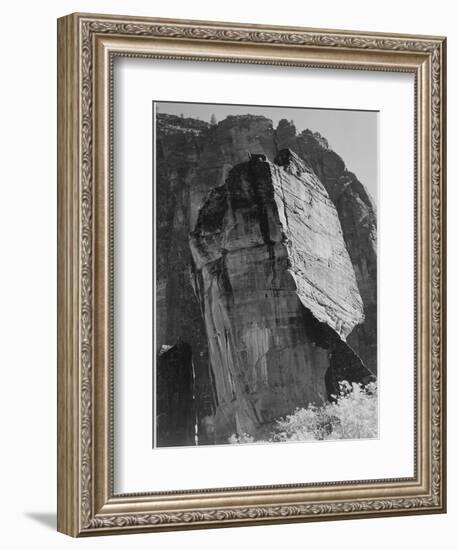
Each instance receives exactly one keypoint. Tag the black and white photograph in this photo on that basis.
(265, 274)
(226, 253)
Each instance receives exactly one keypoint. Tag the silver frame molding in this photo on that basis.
(87, 45)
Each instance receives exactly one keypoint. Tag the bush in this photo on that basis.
(352, 416)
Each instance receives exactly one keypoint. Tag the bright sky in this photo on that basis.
(351, 134)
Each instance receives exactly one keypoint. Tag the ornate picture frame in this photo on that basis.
(87, 46)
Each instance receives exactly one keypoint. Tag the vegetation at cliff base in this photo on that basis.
(352, 416)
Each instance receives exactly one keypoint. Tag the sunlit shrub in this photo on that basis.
(352, 416)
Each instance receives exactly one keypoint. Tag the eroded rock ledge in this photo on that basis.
(278, 293)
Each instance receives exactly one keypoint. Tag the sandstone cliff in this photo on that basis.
(278, 292)
(194, 160)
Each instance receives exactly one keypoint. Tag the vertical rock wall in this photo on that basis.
(277, 289)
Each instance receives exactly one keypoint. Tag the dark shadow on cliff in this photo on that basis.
(176, 415)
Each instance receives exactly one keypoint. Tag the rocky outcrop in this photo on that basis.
(277, 290)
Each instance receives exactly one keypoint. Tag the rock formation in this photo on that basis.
(193, 163)
(277, 289)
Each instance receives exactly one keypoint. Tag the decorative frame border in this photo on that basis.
(87, 45)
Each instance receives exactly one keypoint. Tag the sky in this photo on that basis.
(351, 134)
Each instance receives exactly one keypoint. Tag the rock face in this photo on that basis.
(193, 163)
(277, 289)
(178, 314)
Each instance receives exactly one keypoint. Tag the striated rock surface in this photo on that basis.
(319, 259)
(358, 220)
(277, 290)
